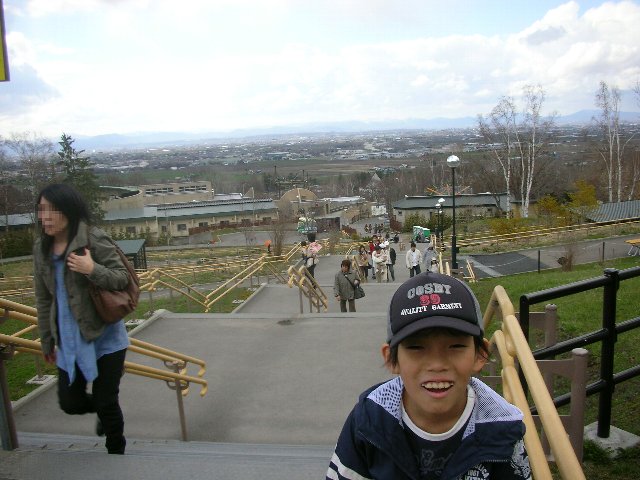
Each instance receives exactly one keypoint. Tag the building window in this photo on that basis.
(224, 223)
(192, 188)
(182, 227)
(203, 224)
(245, 222)
(163, 229)
(158, 191)
(131, 230)
(266, 220)
(399, 213)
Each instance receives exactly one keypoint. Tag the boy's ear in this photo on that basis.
(386, 356)
(482, 356)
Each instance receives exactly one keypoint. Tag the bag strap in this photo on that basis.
(352, 285)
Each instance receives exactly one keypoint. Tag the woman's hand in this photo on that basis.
(82, 263)
(50, 358)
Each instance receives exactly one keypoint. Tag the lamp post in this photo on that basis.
(438, 226)
(440, 213)
(453, 162)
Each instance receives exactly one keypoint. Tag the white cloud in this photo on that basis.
(159, 64)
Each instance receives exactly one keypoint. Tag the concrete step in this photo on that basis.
(70, 457)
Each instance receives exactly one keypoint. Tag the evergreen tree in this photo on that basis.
(79, 173)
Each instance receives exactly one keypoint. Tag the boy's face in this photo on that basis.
(435, 369)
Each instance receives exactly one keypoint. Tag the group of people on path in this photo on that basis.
(375, 228)
(414, 258)
(380, 258)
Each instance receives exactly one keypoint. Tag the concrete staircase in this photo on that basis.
(281, 385)
(70, 457)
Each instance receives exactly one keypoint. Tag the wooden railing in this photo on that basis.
(514, 351)
(307, 287)
(539, 231)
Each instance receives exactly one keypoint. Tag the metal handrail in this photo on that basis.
(513, 346)
(307, 286)
(35, 347)
(176, 378)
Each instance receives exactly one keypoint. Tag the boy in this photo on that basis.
(433, 421)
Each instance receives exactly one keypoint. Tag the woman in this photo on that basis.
(362, 259)
(379, 259)
(68, 255)
(344, 286)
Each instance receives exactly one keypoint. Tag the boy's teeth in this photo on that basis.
(437, 385)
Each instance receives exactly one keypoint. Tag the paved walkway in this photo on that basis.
(280, 386)
(276, 378)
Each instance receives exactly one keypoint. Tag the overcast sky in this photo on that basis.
(87, 67)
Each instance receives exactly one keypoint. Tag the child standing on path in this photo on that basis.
(433, 421)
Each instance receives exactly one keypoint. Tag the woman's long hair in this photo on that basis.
(68, 201)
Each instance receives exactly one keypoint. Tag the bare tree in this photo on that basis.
(499, 130)
(608, 100)
(532, 139)
(635, 156)
(612, 146)
(35, 157)
(525, 137)
(5, 183)
(277, 233)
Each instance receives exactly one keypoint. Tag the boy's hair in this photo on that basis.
(413, 244)
(345, 263)
(430, 300)
(478, 342)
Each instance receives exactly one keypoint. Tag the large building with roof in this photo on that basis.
(180, 220)
(469, 205)
(607, 212)
(178, 210)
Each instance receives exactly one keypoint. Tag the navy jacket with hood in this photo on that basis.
(373, 444)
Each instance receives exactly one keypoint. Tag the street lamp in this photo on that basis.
(453, 162)
(440, 213)
(438, 227)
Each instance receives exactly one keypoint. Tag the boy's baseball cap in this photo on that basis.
(430, 300)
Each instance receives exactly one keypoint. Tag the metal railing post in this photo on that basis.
(7, 424)
(608, 351)
(523, 319)
(178, 383)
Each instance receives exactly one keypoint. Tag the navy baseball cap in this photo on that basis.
(430, 300)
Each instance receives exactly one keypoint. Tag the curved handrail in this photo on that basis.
(308, 285)
(28, 315)
(512, 346)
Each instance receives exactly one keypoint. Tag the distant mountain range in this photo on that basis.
(163, 139)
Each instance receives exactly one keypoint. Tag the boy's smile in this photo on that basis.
(435, 368)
